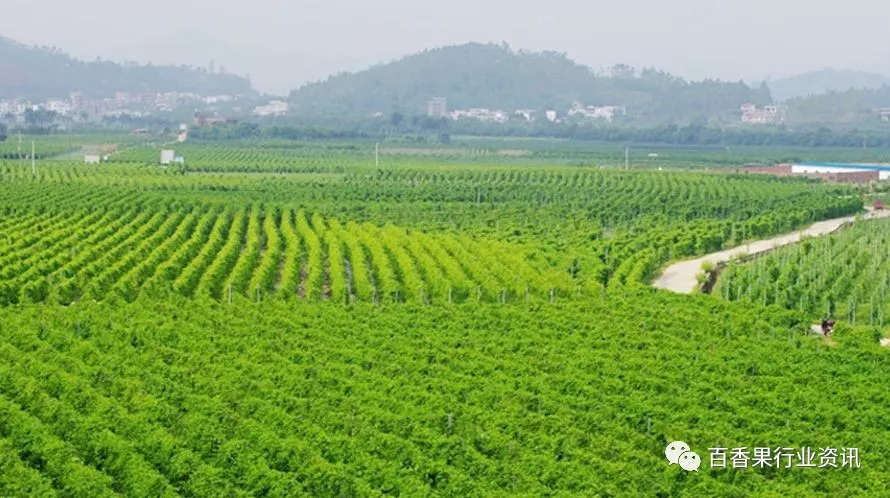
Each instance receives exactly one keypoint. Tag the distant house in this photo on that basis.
(481, 114)
(768, 114)
(437, 107)
(528, 114)
(167, 156)
(606, 112)
(828, 172)
(884, 113)
(201, 120)
(879, 171)
(78, 101)
(273, 108)
(92, 159)
(215, 99)
(58, 106)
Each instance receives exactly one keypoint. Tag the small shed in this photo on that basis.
(92, 159)
(167, 157)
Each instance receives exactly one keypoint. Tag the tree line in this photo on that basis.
(441, 130)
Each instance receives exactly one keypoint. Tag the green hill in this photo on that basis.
(497, 77)
(825, 81)
(40, 72)
(851, 107)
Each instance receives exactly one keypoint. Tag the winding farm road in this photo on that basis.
(680, 277)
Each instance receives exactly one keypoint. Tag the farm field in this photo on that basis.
(290, 156)
(844, 275)
(56, 146)
(498, 234)
(172, 397)
(287, 319)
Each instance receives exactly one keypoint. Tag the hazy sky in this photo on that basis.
(284, 44)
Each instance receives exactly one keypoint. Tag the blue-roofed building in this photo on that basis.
(883, 170)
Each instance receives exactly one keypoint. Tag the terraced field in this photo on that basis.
(258, 253)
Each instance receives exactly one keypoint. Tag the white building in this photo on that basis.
(122, 98)
(482, 114)
(122, 112)
(551, 116)
(768, 114)
(167, 101)
(437, 107)
(92, 159)
(167, 156)
(58, 106)
(78, 101)
(273, 108)
(606, 112)
(214, 99)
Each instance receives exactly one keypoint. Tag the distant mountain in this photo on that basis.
(850, 107)
(40, 73)
(825, 81)
(497, 77)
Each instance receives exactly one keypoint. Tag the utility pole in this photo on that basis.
(626, 157)
(33, 160)
(377, 154)
(20, 146)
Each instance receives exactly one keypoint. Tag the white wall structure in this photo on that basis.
(812, 168)
(437, 108)
(883, 169)
(92, 159)
(167, 156)
(273, 108)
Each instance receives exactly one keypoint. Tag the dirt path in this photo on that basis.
(680, 277)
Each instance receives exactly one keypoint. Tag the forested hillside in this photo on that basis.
(37, 73)
(854, 106)
(495, 76)
(825, 81)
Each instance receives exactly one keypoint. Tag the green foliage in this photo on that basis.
(166, 397)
